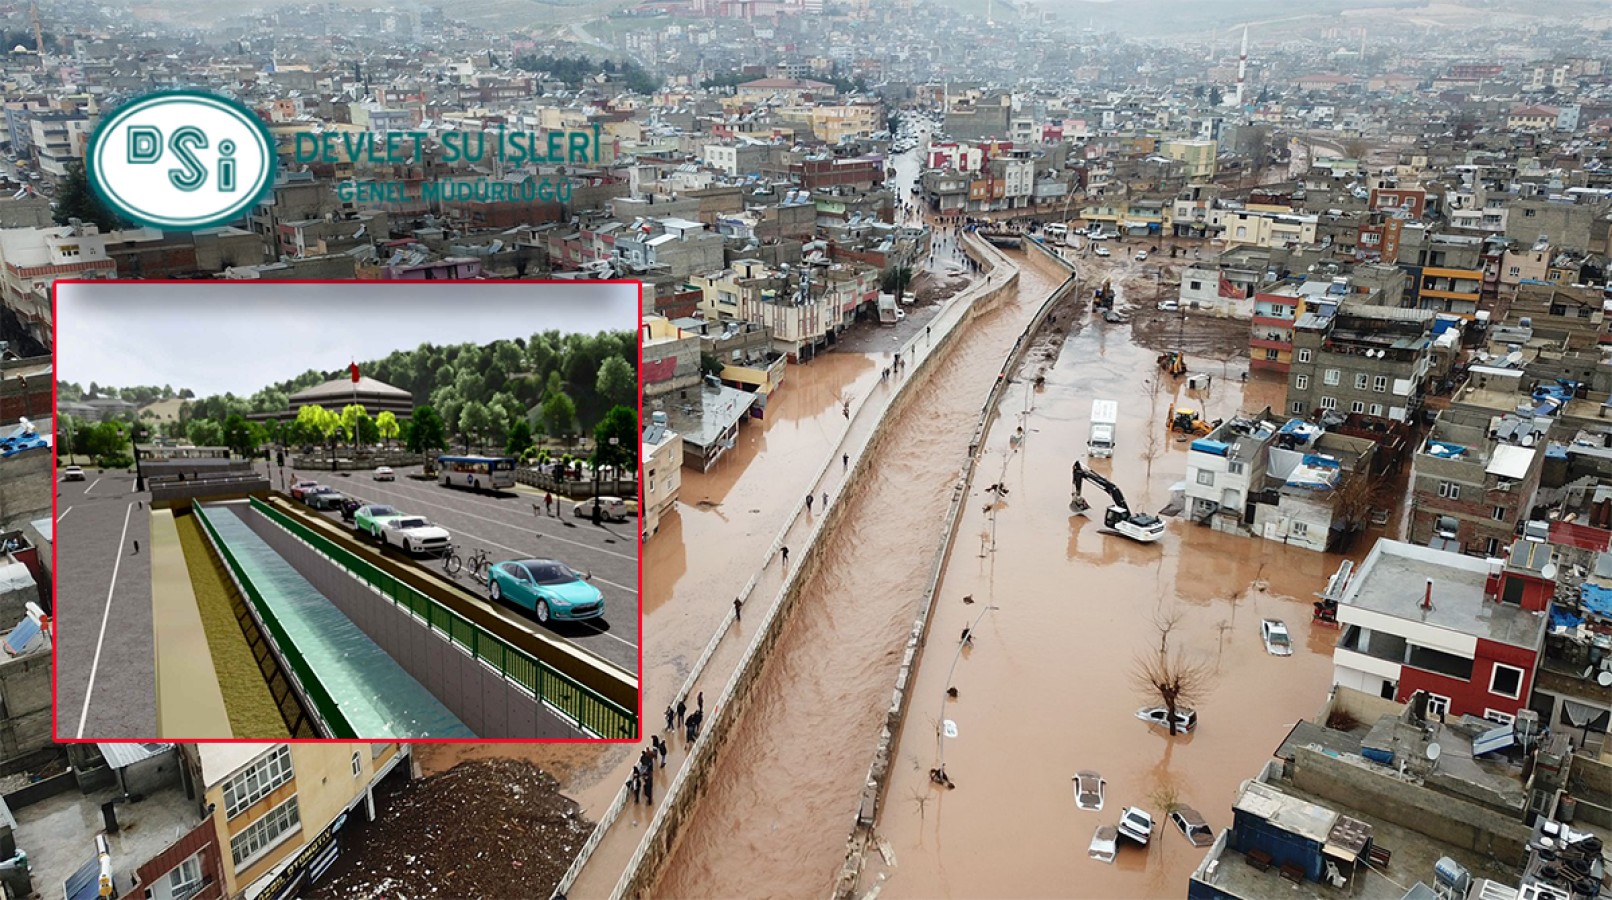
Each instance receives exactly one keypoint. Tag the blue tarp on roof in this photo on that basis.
(1445, 449)
(1442, 325)
(1555, 451)
(1561, 618)
(1596, 599)
(1204, 445)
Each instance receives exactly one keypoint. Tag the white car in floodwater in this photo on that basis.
(1104, 844)
(1277, 641)
(1089, 787)
(1137, 824)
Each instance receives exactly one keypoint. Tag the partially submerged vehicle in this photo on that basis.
(1137, 824)
(1277, 641)
(1089, 789)
(1193, 826)
(1104, 844)
(1185, 719)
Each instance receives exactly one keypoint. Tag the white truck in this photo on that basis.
(1104, 418)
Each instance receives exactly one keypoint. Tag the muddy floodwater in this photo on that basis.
(1059, 614)
(774, 819)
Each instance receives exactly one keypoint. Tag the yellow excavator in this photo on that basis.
(1184, 420)
(1174, 362)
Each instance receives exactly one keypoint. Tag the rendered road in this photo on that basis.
(505, 525)
(105, 653)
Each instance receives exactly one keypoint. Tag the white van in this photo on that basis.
(1104, 419)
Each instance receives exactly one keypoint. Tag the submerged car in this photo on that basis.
(414, 534)
(1104, 844)
(1137, 824)
(371, 519)
(1185, 719)
(1089, 790)
(1193, 826)
(73, 473)
(1277, 641)
(1101, 251)
(549, 588)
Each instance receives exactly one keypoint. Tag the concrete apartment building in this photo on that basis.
(1475, 479)
(1197, 155)
(681, 246)
(662, 461)
(1362, 359)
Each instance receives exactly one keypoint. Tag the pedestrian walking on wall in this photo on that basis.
(694, 723)
(808, 502)
(136, 548)
(738, 607)
(669, 714)
(699, 703)
(786, 555)
(649, 785)
(681, 709)
(845, 461)
(825, 501)
(662, 749)
(634, 785)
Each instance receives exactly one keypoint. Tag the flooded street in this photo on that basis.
(785, 788)
(1060, 612)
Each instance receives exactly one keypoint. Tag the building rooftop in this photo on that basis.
(59, 833)
(1393, 579)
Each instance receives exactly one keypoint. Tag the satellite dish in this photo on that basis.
(1604, 679)
(1548, 572)
(1433, 751)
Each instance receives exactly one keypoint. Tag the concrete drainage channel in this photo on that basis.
(862, 829)
(683, 793)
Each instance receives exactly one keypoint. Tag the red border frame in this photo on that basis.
(638, 331)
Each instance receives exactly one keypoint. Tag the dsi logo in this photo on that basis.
(181, 160)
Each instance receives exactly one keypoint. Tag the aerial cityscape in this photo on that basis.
(1086, 449)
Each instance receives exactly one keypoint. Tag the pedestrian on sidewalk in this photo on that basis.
(845, 461)
(669, 713)
(699, 703)
(649, 785)
(738, 608)
(681, 708)
(659, 746)
(694, 723)
(808, 502)
(825, 501)
(786, 556)
(136, 548)
(548, 503)
(646, 759)
(634, 785)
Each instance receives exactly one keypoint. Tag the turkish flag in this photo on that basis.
(353, 368)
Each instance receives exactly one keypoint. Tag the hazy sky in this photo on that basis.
(222, 336)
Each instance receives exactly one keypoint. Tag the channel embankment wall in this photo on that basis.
(683, 793)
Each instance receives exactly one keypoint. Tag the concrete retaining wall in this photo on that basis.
(1409, 805)
(683, 793)
(900, 699)
(483, 699)
(25, 695)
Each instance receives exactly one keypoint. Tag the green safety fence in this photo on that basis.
(324, 705)
(593, 713)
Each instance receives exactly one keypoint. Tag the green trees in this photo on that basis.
(621, 423)
(476, 422)
(426, 431)
(559, 414)
(75, 200)
(239, 435)
(520, 439)
(616, 381)
(386, 425)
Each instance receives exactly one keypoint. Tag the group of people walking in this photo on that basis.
(641, 783)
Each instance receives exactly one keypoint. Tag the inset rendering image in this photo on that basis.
(380, 511)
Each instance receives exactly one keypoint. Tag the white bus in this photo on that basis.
(479, 473)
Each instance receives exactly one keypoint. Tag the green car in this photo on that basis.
(371, 519)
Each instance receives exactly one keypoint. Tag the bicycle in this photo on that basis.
(451, 562)
(479, 564)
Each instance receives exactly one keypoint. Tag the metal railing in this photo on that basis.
(592, 712)
(306, 683)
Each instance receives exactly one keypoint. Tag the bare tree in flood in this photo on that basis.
(1356, 496)
(1173, 678)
